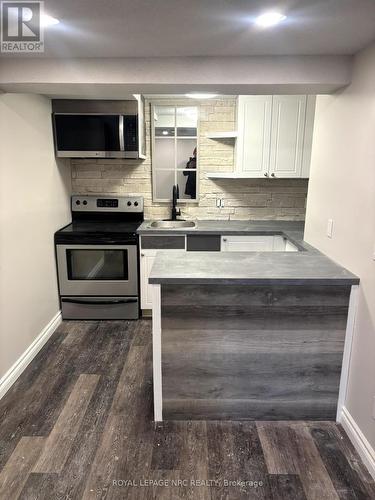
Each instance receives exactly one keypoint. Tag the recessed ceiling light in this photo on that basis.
(269, 19)
(47, 20)
(196, 95)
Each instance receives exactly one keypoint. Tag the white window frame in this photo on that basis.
(153, 137)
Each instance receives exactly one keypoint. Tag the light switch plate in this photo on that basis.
(330, 228)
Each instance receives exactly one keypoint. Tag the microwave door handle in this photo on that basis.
(100, 302)
(121, 132)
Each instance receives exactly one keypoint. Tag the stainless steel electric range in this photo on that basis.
(97, 258)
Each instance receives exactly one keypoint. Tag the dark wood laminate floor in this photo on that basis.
(78, 424)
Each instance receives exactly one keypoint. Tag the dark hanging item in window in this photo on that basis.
(191, 174)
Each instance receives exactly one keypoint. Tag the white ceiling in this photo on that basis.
(149, 28)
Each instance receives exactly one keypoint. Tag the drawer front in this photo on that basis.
(205, 243)
(100, 308)
(163, 242)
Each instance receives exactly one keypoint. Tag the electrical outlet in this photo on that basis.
(218, 202)
(330, 228)
(222, 203)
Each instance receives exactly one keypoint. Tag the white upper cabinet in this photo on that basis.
(274, 136)
(287, 134)
(254, 125)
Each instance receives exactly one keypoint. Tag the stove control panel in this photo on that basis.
(130, 204)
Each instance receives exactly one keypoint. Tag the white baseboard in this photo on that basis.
(19, 366)
(360, 443)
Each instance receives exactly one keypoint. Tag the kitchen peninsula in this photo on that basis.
(248, 335)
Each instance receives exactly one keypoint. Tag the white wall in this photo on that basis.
(342, 187)
(34, 202)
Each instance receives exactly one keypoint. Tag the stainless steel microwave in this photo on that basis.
(99, 129)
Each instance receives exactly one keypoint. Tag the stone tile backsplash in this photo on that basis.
(243, 198)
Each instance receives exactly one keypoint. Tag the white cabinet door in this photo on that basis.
(289, 247)
(287, 135)
(253, 143)
(256, 244)
(308, 136)
(147, 260)
(247, 243)
(274, 136)
(282, 244)
(279, 243)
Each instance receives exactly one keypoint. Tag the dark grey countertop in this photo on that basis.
(298, 268)
(229, 227)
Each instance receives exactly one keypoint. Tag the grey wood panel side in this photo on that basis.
(253, 318)
(163, 242)
(276, 296)
(252, 341)
(250, 345)
(247, 409)
(241, 376)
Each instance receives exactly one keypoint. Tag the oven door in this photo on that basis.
(101, 270)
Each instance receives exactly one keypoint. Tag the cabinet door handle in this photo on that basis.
(224, 239)
(142, 254)
(273, 175)
(265, 175)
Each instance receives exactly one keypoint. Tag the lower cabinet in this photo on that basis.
(247, 243)
(147, 260)
(255, 243)
(149, 246)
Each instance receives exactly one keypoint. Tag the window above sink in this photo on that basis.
(174, 152)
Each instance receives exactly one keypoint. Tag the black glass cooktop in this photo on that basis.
(84, 232)
(101, 227)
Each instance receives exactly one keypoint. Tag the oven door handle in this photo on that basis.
(100, 302)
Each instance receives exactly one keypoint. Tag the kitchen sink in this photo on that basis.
(172, 224)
